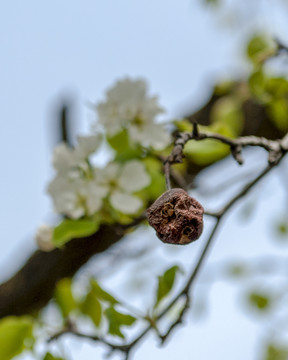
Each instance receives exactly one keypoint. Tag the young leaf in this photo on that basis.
(92, 307)
(237, 270)
(276, 352)
(69, 229)
(120, 142)
(205, 152)
(124, 148)
(260, 48)
(157, 185)
(227, 112)
(165, 283)
(116, 320)
(257, 83)
(209, 150)
(260, 301)
(49, 356)
(15, 336)
(278, 111)
(102, 294)
(64, 297)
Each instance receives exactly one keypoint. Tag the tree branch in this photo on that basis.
(33, 286)
(185, 291)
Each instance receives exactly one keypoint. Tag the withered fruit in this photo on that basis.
(176, 217)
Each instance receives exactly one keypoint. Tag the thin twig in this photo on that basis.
(275, 148)
(167, 175)
(178, 321)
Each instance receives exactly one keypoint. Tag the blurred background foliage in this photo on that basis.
(253, 104)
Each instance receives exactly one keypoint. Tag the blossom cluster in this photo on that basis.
(128, 106)
(79, 189)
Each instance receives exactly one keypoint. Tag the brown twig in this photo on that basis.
(275, 148)
(178, 321)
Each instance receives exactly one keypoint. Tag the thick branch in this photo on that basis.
(32, 287)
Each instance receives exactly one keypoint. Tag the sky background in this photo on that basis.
(70, 49)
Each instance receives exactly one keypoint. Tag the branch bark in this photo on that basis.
(32, 286)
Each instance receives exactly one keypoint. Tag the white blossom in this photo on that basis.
(63, 158)
(150, 135)
(133, 176)
(123, 182)
(127, 204)
(128, 106)
(66, 159)
(87, 145)
(44, 236)
(76, 198)
(74, 190)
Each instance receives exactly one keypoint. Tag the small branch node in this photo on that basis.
(195, 131)
(236, 151)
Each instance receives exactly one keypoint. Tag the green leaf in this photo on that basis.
(122, 145)
(183, 125)
(260, 48)
(64, 297)
(92, 307)
(260, 300)
(278, 111)
(224, 88)
(237, 270)
(227, 112)
(49, 356)
(120, 142)
(117, 320)
(282, 228)
(16, 335)
(157, 185)
(276, 352)
(102, 294)
(69, 229)
(208, 151)
(212, 2)
(165, 283)
(257, 83)
(205, 152)
(276, 86)
(121, 218)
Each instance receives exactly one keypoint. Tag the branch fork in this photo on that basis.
(275, 148)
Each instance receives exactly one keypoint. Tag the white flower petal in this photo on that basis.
(158, 137)
(58, 185)
(126, 102)
(150, 135)
(78, 197)
(69, 203)
(76, 212)
(134, 176)
(108, 174)
(125, 203)
(94, 195)
(109, 117)
(63, 158)
(87, 145)
(44, 237)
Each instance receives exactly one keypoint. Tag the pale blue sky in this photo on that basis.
(51, 49)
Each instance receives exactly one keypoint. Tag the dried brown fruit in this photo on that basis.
(176, 217)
